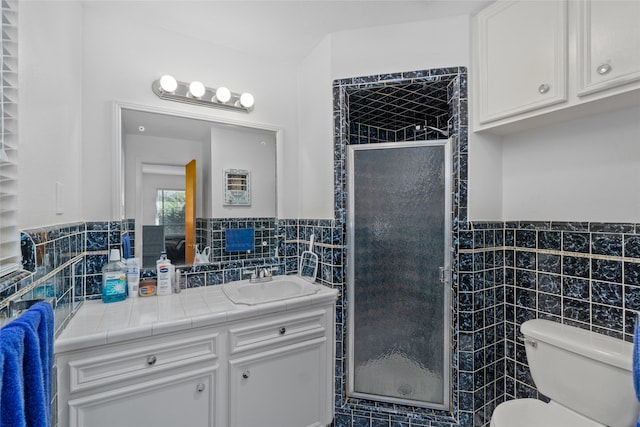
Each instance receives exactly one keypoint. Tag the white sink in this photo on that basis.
(277, 289)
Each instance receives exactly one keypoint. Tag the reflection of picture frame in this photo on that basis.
(237, 187)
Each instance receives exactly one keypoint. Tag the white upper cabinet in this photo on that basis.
(608, 44)
(522, 58)
(541, 62)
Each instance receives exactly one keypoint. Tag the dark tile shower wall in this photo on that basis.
(360, 133)
(583, 274)
(481, 311)
(465, 394)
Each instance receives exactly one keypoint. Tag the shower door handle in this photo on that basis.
(443, 274)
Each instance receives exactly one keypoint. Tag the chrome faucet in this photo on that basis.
(265, 272)
(260, 275)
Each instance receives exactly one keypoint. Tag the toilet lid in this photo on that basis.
(535, 413)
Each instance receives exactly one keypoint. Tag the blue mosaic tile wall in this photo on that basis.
(53, 255)
(53, 266)
(582, 274)
(211, 233)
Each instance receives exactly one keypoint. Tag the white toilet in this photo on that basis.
(587, 377)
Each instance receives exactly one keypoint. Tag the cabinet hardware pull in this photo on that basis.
(282, 330)
(246, 374)
(200, 387)
(544, 88)
(151, 360)
(604, 69)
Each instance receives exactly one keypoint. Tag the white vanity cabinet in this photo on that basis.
(540, 62)
(148, 382)
(279, 370)
(228, 365)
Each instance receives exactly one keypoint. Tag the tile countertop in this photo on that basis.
(97, 323)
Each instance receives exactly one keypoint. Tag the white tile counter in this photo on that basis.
(97, 323)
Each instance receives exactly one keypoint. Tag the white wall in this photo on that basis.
(407, 47)
(50, 112)
(484, 187)
(378, 50)
(254, 151)
(582, 170)
(122, 59)
(315, 168)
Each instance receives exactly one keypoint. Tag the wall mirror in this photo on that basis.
(152, 148)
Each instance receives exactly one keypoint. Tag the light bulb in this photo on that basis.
(168, 83)
(223, 94)
(196, 89)
(246, 100)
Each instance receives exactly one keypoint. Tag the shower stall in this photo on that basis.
(399, 214)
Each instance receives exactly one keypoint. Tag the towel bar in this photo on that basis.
(15, 307)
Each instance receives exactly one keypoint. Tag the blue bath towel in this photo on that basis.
(12, 393)
(239, 239)
(29, 368)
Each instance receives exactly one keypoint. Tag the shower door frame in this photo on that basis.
(445, 273)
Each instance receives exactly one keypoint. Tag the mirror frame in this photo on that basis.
(117, 153)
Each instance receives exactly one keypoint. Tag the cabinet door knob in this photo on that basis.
(544, 88)
(603, 69)
(246, 374)
(282, 330)
(200, 387)
(151, 360)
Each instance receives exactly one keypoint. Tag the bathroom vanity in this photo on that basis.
(198, 359)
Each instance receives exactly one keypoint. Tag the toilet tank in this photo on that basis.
(584, 371)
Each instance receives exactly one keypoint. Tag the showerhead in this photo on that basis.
(444, 132)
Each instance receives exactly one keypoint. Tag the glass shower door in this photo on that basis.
(399, 210)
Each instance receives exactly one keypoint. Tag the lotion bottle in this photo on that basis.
(133, 276)
(163, 270)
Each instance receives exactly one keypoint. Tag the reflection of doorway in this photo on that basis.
(162, 201)
(170, 214)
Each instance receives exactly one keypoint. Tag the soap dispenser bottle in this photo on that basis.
(164, 270)
(114, 279)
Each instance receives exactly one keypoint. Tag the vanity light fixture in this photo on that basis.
(167, 87)
(246, 100)
(222, 94)
(196, 89)
(168, 83)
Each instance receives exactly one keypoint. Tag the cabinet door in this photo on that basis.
(608, 44)
(178, 400)
(285, 387)
(522, 58)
